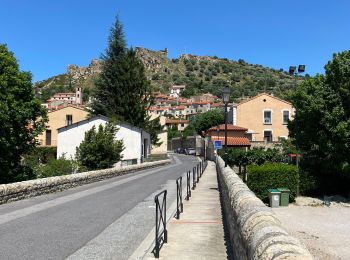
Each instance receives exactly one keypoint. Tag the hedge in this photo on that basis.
(272, 176)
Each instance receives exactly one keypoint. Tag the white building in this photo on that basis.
(176, 90)
(136, 141)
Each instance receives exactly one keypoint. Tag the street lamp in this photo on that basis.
(292, 72)
(226, 98)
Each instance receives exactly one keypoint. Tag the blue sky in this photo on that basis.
(47, 35)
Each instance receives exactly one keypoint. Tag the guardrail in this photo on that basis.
(161, 231)
(198, 172)
(188, 185)
(194, 178)
(179, 204)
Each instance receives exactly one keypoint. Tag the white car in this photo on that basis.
(191, 151)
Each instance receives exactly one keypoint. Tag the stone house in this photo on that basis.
(136, 141)
(265, 116)
(58, 118)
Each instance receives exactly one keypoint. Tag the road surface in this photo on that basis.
(102, 220)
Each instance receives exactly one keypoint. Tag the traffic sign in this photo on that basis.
(217, 144)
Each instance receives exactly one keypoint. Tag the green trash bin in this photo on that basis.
(284, 202)
(274, 197)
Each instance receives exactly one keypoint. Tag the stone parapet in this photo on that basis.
(255, 232)
(26, 189)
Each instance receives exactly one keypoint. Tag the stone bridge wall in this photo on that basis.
(27, 189)
(255, 232)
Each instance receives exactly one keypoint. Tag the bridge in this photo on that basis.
(114, 218)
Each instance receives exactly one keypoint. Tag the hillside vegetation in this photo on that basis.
(200, 74)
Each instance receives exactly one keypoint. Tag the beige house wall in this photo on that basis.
(250, 114)
(57, 119)
(163, 137)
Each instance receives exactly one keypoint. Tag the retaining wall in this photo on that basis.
(27, 189)
(255, 232)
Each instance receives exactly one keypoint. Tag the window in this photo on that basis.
(48, 137)
(182, 125)
(285, 117)
(69, 119)
(267, 117)
(268, 136)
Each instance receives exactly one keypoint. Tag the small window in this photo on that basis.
(69, 119)
(182, 125)
(48, 137)
(268, 136)
(267, 117)
(285, 117)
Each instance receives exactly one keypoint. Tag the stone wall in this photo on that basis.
(255, 232)
(27, 189)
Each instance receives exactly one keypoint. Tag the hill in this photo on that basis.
(200, 74)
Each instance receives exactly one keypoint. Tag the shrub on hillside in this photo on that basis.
(271, 176)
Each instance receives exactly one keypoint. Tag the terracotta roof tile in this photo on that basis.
(176, 121)
(229, 127)
(233, 141)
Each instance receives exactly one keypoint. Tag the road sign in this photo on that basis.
(217, 144)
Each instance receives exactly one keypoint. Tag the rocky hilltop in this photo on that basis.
(199, 73)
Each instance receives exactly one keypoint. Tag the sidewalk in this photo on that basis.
(199, 233)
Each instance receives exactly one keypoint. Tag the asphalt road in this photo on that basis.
(103, 220)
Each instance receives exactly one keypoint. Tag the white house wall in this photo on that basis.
(70, 138)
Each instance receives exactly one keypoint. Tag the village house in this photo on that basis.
(162, 136)
(176, 90)
(180, 123)
(69, 97)
(236, 136)
(136, 141)
(265, 116)
(62, 116)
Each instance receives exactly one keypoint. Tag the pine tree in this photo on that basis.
(122, 90)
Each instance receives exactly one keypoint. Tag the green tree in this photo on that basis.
(321, 129)
(123, 92)
(202, 122)
(22, 117)
(99, 149)
(122, 89)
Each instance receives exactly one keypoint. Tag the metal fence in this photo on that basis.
(188, 185)
(160, 200)
(161, 231)
(179, 204)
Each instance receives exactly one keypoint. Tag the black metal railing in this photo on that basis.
(194, 178)
(198, 173)
(188, 184)
(161, 231)
(179, 204)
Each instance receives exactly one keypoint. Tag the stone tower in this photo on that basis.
(78, 96)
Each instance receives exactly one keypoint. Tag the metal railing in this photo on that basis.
(188, 185)
(194, 178)
(198, 173)
(179, 204)
(161, 231)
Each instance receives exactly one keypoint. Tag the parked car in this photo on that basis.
(181, 150)
(191, 151)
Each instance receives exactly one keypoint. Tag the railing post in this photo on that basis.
(188, 185)
(179, 204)
(198, 173)
(194, 178)
(160, 219)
